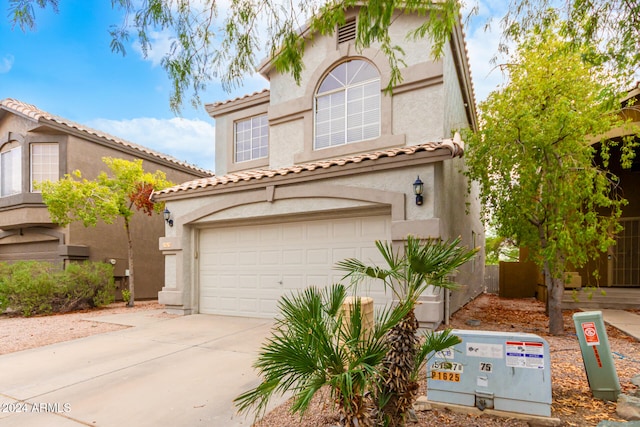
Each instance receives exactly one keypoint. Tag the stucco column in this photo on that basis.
(172, 295)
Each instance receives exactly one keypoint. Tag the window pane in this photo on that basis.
(11, 172)
(252, 138)
(371, 117)
(361, 71)
(322, 141)
(353, 104)
(329, 84)
(323, 128)
(322, 102)
(354, 135)
(44, 163)
(337, 139)
(371, 89)
(371, 131)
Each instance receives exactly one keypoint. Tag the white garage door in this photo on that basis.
(244, 270)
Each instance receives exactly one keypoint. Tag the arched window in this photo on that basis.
(347, 105)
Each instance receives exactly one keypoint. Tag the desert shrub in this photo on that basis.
(86, 285)
(28, 287)
(31, 287)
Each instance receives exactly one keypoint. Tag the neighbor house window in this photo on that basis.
(347, 105)
(251, 139)
(44, 163)
(10, 171)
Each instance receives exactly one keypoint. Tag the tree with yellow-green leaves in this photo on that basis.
(534, 157)
(108, 197)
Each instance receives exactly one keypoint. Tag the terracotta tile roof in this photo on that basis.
(229, 101)
(455, 146)
(32, 112)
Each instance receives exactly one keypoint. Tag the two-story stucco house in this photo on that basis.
(311, 174)
(37, 146)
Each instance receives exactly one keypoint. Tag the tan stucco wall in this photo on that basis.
(454, 113)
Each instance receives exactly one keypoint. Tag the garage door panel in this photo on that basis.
(346, 229)
(244, 270)
(293, 232)
(317, 256)
(267, 234)
(269, 282)
(269, 257)
(372, 228)
(292, 281)
(319, 231)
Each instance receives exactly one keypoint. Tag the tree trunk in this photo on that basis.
(555, 290)
(398, 366)
(130, 255)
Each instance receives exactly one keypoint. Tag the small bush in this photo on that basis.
(30, 287)
(86, 285)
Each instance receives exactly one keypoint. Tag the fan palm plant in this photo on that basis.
(407, 275)
(313, 344)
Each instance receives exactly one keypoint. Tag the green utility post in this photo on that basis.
(596, 355)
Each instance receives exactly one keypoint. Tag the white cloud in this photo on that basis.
(6, 62)
(187, 140)
(161, 42)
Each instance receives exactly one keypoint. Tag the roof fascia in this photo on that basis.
(461, 60)
(259, 98)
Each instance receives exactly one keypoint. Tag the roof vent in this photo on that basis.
(347, 32)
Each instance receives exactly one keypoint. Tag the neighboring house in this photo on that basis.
(620, 267)
(36, 146)
(311, 174)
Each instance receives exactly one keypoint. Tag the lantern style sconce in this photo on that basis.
(167, 217)
(418, 188)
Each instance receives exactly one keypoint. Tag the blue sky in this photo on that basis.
(65, 67)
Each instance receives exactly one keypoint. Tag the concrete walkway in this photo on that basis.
(181, 371)
(627, 322)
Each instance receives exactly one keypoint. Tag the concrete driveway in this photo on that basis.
(181, 371)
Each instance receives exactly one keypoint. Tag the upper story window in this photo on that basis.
(10, 170)
(251, 138)
(44, 163)
(347, 105)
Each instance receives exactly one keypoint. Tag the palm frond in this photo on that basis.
(432, 343)
(315, 343)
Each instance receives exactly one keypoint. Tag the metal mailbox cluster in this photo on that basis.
(494, 370)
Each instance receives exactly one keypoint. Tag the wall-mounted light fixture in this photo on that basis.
(167, 217)
(418, 188)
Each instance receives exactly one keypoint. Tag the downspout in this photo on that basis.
(446, 306)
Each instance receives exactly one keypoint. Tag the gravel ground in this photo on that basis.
(573, 403)
(21, 333)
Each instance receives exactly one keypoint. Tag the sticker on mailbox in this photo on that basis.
(590, 333)
(522, 354)
(447, 353)
(445, 376)
(447, 366)
(493, 351)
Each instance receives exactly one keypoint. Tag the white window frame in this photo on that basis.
(49, 160)
(247, 144)
(352, 111)
(13, 184)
